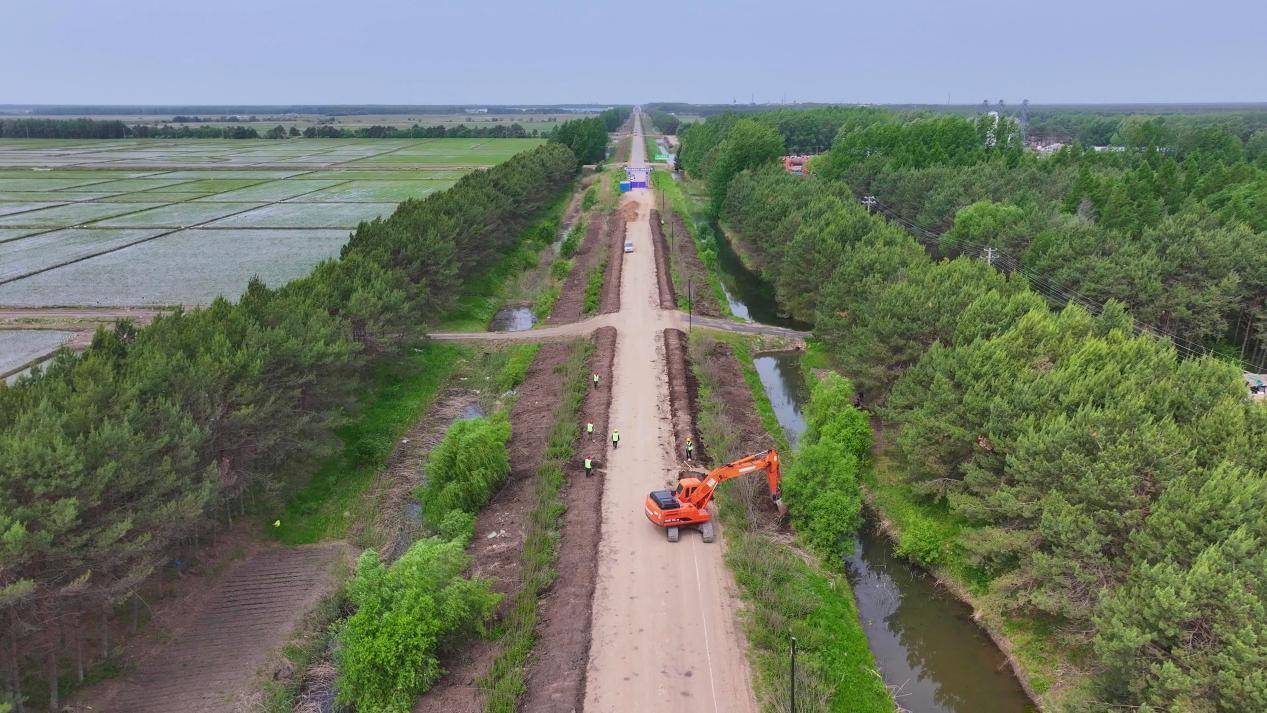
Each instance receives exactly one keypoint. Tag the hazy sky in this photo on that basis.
(429, 52)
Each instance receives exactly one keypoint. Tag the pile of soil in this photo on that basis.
(500, 527)
(664, 279)
(615, 262)
(688, 264)
(556, 674)
(571, 303)
(683, 395)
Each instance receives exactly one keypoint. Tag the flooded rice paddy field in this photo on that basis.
(155, 222)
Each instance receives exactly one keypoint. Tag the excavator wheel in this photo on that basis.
(706, 530)
(673, 533)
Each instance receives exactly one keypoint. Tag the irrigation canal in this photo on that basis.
(926, 645)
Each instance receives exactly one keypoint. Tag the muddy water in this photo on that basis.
(925, 643)
(750, 297)
(512, 319)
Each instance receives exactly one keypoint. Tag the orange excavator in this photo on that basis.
(687, 506)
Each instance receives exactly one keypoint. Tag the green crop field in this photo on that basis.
(144, 222)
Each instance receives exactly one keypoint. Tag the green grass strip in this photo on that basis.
(516, 633)
(403, 389)
(690, 210)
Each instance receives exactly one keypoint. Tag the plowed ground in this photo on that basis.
(211, 662)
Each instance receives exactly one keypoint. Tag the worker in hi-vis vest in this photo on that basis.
(615, 438)
(589, 467)
(596, 379)
(589, 429)
(690, 448)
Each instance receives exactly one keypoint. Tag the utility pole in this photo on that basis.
(869, 202)
(793, 686)
(989, 255)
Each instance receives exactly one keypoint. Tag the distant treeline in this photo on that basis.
(273, 110)
(110, 459)
(665, 122)
(587, 138)
(113, 129)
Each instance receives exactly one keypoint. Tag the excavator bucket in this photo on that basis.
(778, 503)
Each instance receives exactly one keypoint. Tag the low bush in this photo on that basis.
(821, 487)
(465, 468)
(406, 615)
(594, 286)
(572, 240)
(921, 542)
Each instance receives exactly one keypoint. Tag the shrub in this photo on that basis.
(922, 543)
(405, 616)
(572, 240)
(821, 487)
(594, 287)
(457, 525)
(465, 468)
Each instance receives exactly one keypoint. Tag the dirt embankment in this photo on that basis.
(615, 259)
(689, 265)
(556, 675)
(664, 278)
(571, 303)
(683, 395)
(499, 528)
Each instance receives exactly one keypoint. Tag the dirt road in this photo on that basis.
(664, 632)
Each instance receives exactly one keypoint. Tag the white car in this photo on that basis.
(628, 246)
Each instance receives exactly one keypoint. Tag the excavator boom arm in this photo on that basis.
(766, 460)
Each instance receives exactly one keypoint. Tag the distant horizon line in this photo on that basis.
(593, 104)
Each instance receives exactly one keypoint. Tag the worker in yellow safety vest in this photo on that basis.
(615, 438)
(596, 379)
(589, 430)
(690, 448)
(589, 467)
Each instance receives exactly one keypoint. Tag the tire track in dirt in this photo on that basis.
(556, 675)
(211, 663)
(664, 278)
(501, 525)
(571, 303)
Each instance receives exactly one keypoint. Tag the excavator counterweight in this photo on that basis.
(687, 505)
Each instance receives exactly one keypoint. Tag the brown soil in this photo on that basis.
(743, 425)
(688, 264)
(500, 527)
(664, 279)
(683, 395)
(214, 643)
(615, 263)
(556, 675)
(571, 303)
